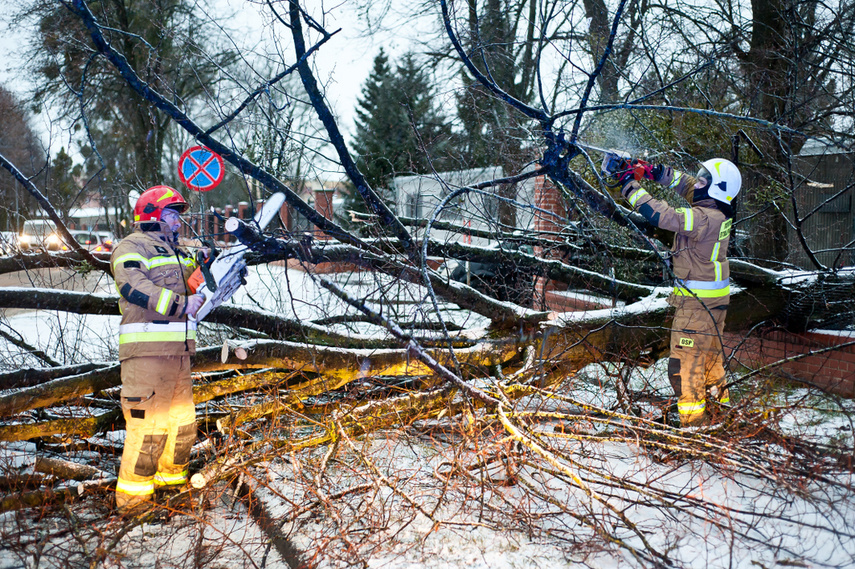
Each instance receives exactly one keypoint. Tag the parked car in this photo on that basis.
(95, 241)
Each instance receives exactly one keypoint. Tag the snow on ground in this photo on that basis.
(502, 516)
(727, 520)
(218, 537)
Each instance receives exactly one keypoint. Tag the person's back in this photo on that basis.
(702, 274)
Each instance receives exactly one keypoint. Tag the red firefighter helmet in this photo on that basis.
(153, 200)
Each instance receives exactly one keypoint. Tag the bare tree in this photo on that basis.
(19, 144)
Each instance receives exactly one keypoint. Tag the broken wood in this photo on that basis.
(50, 496)
(60, 390)
(358, 421)
(81, 427)
(43, 260)
(337, 366)
(28, 377)
(20, 482)
(67, 469)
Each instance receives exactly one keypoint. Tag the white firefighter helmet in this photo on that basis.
(725, 179)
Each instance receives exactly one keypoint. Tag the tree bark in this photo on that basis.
(40, 498)
(66, 469)
(59, 390)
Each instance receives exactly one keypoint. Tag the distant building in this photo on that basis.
(419, 197)
(92, 218)
(826, 189)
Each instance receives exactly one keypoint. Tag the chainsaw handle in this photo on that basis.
(205, 267)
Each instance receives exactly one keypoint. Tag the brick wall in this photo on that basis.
(833, 370)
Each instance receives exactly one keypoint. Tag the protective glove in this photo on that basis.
(193, 304)
(619, 168)
(243, 272)
(653, 171)
(616, 167)
(643, 170)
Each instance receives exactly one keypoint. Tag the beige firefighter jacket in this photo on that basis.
(702, 234)
(151, 275)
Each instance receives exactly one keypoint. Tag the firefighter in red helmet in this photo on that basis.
(156, 340)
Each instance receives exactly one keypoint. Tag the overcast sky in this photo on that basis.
(343, 65)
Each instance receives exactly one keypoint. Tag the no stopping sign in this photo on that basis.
(201, 169)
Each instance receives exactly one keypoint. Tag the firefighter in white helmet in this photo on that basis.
(156, 340)
(699, 255)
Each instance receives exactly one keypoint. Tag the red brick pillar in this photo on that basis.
(243, 210)
(228, 211)
(548, 198)
(324, 206)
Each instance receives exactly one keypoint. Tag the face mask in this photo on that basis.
(703, 185)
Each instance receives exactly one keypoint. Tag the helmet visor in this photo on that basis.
(704, 175)
(180, 207)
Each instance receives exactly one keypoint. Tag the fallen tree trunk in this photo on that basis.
(81, 427)
(44, 260)
(66, 469)
(62, 495)
(336, 367)
(335, 364)
(59, 390)
(28, 377)
(63, 300)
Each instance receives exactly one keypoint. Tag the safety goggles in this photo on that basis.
(169, 215)
(704, 174)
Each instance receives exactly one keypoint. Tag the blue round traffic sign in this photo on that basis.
(201, 169)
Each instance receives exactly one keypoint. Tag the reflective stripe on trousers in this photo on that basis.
(696, 363)
(135, 488)
(160, 418)
(163, 479)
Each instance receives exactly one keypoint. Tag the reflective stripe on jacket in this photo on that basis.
(151, 279)
(151, 332)
(701, 237)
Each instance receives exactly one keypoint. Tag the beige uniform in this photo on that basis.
(156, 341)
(701, 291)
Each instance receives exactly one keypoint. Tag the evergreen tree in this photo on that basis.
(493, 134)
(489, 132)
(63, 189)
(399, 129)
(375, 114)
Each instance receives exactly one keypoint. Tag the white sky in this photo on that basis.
(342, 65)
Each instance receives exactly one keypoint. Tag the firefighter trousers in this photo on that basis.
(696, 363)
(160, 418)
